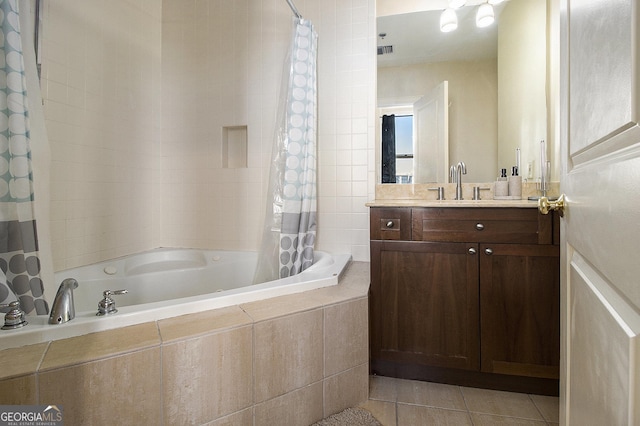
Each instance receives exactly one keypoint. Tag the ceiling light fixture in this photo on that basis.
(485, 16)
(448, 20)
(495, 1)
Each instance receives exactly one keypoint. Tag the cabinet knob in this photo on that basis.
(488, 251)
(472, 251)
(390, 224)
(479, 226)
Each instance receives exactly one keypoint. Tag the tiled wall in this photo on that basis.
(101, 93)
(136, 94)
(291, 360)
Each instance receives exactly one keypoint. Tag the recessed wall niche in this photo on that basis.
(234, 147)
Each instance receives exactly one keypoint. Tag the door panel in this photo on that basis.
(605, 347)
(431, 135)
(600, 152)
(601, 29)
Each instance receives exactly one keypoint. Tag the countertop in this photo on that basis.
(423, 195)
(453, 203)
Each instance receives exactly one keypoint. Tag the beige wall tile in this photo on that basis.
(22, 360)
(431, 394)
(120, 390)
(90, 347)
(346, 338)
(207, 377)
(18, 391)
(299, 408)
(345, 390)
(202, 323)
(420, 415)
(288, 354)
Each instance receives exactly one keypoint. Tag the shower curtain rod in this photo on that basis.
(293, 9)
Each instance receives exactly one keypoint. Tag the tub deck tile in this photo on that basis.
(201, 323)
(100, 345)
(266, 309)
(353, 284)
(21, 361)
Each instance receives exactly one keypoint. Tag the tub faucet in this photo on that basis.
(461, 169)
(63, 309)
(107, 305)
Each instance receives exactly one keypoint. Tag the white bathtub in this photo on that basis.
(163, 283)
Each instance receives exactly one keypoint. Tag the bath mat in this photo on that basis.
(350, 417)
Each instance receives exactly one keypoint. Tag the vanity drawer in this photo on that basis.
(491, 225)
(390, 223)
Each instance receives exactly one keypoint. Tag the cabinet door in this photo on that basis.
(520, 309)
(424, 304)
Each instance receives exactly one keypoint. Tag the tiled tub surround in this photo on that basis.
(287, 360)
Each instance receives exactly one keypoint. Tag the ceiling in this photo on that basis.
(416, 37)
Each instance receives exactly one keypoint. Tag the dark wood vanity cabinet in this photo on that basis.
(466, 296)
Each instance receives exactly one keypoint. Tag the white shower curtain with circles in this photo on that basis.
(290, 230)
(19, 261)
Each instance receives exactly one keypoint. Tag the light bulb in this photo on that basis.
(448, 20)
(484, 17)
(495, 1)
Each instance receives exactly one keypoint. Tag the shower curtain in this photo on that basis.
(19, 261)
(290, 222)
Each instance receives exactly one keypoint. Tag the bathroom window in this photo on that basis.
(397, 148)
(404, 149)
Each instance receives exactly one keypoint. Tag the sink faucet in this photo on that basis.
(63, 309)
(461, 169)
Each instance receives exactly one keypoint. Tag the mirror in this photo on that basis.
(497, 79)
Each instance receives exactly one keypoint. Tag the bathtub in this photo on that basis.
(168, 282)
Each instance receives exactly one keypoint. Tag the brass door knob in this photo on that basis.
(545, 206)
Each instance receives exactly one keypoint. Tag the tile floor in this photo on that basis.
(396, 402)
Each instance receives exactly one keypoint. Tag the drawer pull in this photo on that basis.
(479, 226)
(488, 251)
(390, 224)
(472, 251)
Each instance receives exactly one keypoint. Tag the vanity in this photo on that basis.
(465, 293)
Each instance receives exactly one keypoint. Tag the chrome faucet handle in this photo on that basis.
(15, 317)
(440, 190)
(107, 305)
(476, 192)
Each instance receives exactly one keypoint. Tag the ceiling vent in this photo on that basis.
(385, 50)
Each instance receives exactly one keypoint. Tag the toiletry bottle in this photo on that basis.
(515, 184)
(502, 185)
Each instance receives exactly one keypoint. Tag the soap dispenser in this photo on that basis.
(515, 184)
(502, 185)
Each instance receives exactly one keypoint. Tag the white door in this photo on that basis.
(431, 136)
(600, 139)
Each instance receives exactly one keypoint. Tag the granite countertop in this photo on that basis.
(452, 203)
(423, 195)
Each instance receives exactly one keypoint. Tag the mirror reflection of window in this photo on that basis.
(404, 149)
(397, 148)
